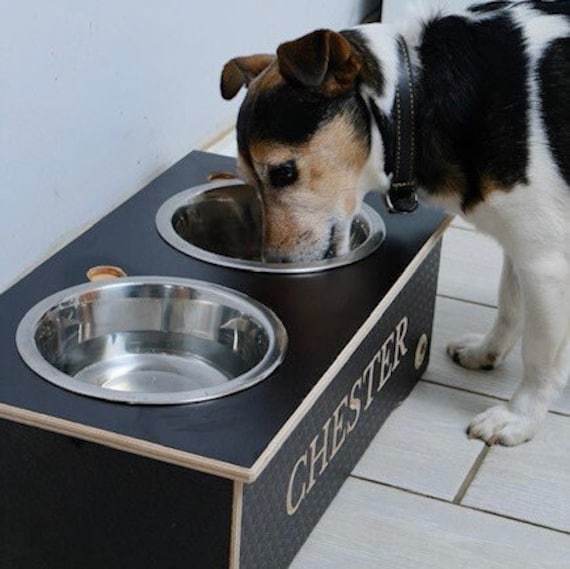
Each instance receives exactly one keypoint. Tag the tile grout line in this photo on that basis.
(559, 413)
(483, 394)
(515, 519)
(464, 390)
(461, 506)
(471, 475)
(406, 490)
(467, 301)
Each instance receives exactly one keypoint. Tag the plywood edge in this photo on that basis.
(125, 443)
(235, 536)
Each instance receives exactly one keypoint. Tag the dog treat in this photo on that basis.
(101, 272)
(221, 176)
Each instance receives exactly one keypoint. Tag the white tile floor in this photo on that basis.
(424, 495)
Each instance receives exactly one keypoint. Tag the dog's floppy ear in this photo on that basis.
(322, 59)
(240, 71)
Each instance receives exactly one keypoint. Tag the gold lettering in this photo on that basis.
(368, 378)
(355, 405)
(385, 362)
(338, 427)
(400, 350)
(317, 457)
(293, 507)
(320, 455)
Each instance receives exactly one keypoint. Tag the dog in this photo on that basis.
(486, 135)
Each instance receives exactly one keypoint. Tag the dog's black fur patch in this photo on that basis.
(545, 6)
(290, 115)
(555, 95)
(485, 7)
(558, 7)
(283, 114)
(473, 102)
(371, 72)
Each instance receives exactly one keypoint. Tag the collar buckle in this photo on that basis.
(402, 198)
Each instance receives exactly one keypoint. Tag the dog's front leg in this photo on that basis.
(478, 351)
(546, 356)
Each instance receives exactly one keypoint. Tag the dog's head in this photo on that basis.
(304, 142)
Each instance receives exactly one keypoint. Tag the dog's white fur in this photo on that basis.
(532, 224)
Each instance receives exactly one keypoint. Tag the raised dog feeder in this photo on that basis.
(235, 482)
(221, 223)
(151, 340)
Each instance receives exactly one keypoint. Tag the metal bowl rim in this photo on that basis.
(29, 352)
(163, 223)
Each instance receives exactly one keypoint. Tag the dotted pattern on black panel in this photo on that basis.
(281, 508)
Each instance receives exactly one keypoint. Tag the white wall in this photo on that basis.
(97, 97)
(395, 11)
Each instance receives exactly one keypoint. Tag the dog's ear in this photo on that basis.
(240, 71)
(322, 59)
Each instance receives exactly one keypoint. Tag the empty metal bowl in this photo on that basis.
(151, 340)
(222, 223)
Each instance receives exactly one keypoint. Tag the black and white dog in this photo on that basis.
(490, 120)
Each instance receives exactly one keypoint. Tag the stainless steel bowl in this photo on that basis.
(221, 223)
(151, 340)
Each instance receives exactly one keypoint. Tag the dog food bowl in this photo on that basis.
(221, 223)
(151, 340)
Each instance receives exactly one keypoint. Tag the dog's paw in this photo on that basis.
(473, 352)
(500, 425)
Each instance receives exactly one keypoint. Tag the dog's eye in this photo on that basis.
(283, 175)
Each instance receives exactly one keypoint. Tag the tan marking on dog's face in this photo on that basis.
(301, 218)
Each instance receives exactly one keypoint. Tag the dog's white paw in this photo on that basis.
(473, 352)
(500, 425)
